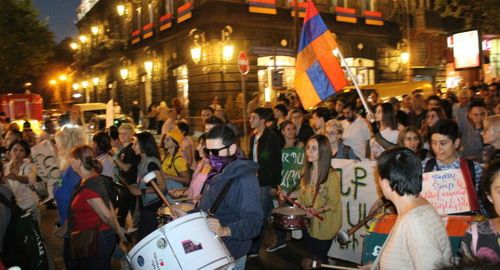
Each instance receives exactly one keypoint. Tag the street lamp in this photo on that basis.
(83, 39)
(227, 47)
(95, 80)
(124, 73)
(148, 66)
(84, 84)
(95, 30)
(63, 77)
(73, 46)
(76, 86)
(198, 43)
(405, 57)
(52, 82)
(120, 9)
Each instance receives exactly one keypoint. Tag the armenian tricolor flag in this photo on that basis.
(347, 15)
(373, 17)
(147, 31)
(302, 9)
(184, 12)
(135, 36)
(166, 21)
(262, 6)
(318, 74)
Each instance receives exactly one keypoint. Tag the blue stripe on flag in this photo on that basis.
(313, 28)
(318, 78)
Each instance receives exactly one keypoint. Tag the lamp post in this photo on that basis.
(85, 86)
(95, 82)
(198, 44)
(148, 87)
(120, 9)
(227, 48)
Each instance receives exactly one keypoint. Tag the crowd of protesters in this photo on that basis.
(101, 187)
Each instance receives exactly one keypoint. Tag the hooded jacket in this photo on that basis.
(240, 210)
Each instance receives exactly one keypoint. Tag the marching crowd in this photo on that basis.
(101, 180)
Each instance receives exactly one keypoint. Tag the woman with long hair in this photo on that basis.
(174, 165)
(431, 118)
(91, 209)
(21, 176)
(101, 143)
(387, 135)
(481, 239)
(410, 138)
(199, 176)
(149, 202)
(320, 193)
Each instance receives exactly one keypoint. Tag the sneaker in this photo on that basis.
(275, 247)
(253, 255)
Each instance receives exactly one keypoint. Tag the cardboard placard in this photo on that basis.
(446, 191)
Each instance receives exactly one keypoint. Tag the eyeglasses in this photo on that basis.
(214, 152)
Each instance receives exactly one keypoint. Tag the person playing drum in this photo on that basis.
(320, 193)
(239, 218)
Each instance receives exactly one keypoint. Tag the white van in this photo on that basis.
(83, 112)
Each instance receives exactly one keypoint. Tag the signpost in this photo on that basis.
(244, 67)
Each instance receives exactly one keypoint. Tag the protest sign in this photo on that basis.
(47, 165)
(358, 194)
(292, 159)
(446, 191)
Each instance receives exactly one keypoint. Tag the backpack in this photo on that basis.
(23, 245)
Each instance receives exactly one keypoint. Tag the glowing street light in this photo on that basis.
(52, 82)
(83, 39)
(63, 77)
(95, 30)
(405, 57)
(76, 86)
(120, 9)
(85, 84)
(73, 46)
(148, 66)
(124, 73)
(95, 81)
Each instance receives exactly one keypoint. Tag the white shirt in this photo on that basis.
(356, 135)
(390, 135)
(108, 166)
(25, 196)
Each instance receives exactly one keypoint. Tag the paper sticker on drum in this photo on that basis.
(185, 243)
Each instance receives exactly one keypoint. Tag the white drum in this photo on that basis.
(185, 243)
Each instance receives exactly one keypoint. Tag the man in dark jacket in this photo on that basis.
(238, 219)
(265, 149)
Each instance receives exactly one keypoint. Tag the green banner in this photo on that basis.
(292, 159)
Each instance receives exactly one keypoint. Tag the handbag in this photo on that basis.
(83, 244)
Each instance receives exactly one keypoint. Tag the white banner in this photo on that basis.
(359, 193)
(47, 164)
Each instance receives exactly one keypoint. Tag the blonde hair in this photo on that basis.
(335, 124)
(493, 122)
(127, 126)
(69, 137)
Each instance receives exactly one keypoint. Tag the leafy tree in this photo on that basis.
(479, 14)
(25, 44)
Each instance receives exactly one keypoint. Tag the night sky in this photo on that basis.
(61, 15)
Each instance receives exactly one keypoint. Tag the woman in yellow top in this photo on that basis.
(320, 193)
(173, 164)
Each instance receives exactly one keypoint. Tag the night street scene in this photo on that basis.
(249, 134)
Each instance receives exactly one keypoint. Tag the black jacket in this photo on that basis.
(268, 158)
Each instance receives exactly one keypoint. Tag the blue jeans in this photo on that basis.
(267, 207)
(102, 259)
(239, 264)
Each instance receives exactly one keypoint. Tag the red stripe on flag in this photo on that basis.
(373, 13)
(345, 10)
(311, 11)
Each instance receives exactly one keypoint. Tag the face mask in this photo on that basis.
(219, 163)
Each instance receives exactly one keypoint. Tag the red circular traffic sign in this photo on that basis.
(243, 63)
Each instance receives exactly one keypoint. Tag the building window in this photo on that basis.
(363, 69)
(150, 13)
(275, 75)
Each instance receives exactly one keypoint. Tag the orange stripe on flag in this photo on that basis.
(308, 96)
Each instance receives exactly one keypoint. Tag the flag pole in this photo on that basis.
(336, 52)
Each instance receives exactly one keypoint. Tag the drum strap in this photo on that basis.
(220, 197)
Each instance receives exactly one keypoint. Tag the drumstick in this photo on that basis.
(148, 179)
(302, 207)
(183, 199)
(315, 265)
